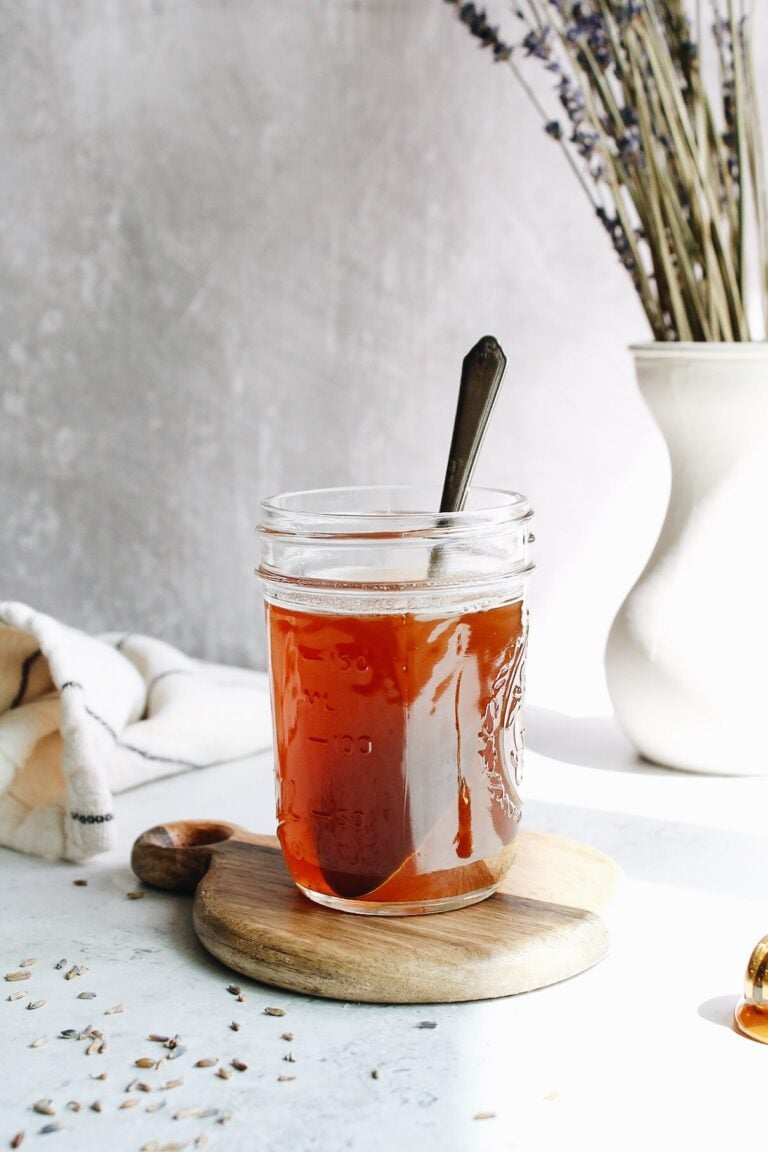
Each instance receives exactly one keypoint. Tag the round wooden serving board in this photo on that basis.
(541, 926)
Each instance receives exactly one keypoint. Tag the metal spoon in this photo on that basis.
(481, 375)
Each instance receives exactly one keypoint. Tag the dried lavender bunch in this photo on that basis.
(671, 163)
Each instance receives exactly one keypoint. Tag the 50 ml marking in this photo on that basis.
(341, 817)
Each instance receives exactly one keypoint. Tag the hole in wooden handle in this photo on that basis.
(176, 856)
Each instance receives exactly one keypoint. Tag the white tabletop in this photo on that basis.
(639, 1052)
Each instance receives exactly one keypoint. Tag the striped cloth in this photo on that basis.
(84, 717)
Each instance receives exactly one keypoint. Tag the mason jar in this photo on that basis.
(397, 640)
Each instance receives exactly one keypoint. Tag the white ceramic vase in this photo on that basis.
(687, 656)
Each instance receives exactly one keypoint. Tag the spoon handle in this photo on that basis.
(481, 375)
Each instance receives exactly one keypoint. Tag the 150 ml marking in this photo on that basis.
(342, 661)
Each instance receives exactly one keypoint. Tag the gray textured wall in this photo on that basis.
(245, 247)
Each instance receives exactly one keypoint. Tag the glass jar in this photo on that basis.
(397, 640)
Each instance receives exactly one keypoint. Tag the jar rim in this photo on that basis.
(303, 512)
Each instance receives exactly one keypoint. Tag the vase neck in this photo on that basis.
(714, 408)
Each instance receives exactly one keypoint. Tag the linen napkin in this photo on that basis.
(84, 717)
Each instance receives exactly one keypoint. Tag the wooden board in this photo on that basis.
(541, 926)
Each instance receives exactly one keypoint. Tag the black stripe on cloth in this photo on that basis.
(92, 817)
(170, 672)
(24, 680)
(149, 755)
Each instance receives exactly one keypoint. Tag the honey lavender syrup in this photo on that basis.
(397, 739)
(397, 697)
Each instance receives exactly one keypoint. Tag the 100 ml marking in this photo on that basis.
(345, 743)
(342, 743)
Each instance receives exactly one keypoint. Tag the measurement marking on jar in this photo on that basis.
(321, 698)
(343, 661)
(342, 817)
(346, 743)
(350, 663)
(349, 744)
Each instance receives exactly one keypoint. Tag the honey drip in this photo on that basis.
(752, 1019)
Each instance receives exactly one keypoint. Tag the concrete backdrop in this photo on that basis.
(245, 247)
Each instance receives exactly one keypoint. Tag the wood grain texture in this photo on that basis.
(542, 925)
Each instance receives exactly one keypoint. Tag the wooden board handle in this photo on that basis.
(176, 856)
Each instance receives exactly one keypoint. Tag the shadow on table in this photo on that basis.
(181, 931)
(592, 741)
(658, 850)
(662, 851)
(719, 1010)
(167, 921)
